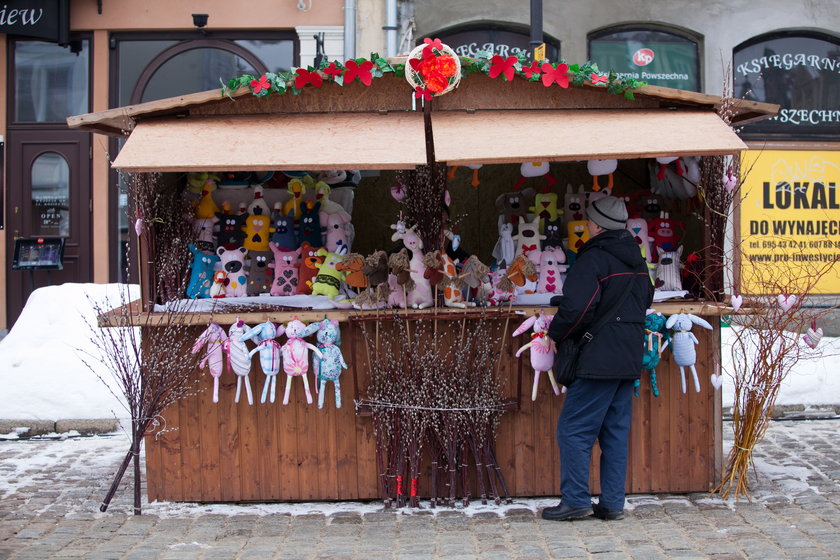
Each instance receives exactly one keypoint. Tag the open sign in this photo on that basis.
(643, 57)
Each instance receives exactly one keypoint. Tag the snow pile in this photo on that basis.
(42, 373)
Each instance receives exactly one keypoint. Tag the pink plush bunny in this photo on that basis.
(336, 237)
(296, 355)
(214, 337)
(542, 349)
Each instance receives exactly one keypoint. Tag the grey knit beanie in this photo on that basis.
(608, 212)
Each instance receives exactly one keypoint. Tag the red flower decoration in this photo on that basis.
(425, 93)
(332, 71)
(353, 70)
(502, 66)
(260, 84)
(433, 43)
(304, 77)
(558, 74)
(596, 79)
(533, 70)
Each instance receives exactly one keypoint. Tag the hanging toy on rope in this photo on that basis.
(269, 350)
(656, 337)
(238, 359)
(536, 169)
(599, 167)
(683, 342)
(663, 165)
(329, 366)
(296, 355)
(213, 338)
(475, 182)
(542, 349)
(813, 335)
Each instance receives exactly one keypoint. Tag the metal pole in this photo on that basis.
(390, 28)
(349, 29)
(536, 24)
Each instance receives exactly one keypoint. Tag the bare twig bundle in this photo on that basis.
(424, 201)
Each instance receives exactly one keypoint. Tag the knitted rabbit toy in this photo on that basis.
(213, 337)
(328, 367)
(682, 343)
(296, 355)
(238, 358)
(542, 349)
(655, 339)
(269, 350)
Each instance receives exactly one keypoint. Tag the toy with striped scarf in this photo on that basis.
(238, 358)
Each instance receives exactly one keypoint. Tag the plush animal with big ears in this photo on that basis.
(656, 337)
(514, 205)
(233, 263)
(283, 229)
(201, 273)
(505, 249)
(213, 338)
(231, 229)
(529, 239)
(668, 276)
(286, 267)
(296, 355)
(260, 273)
(682, 344)
(328, 280)
(257, 232)
(264, 335)
(542, 349)
(308, 269)
(238, 359)
(331, 363)
(574, 206)
(309, 226)
(554, 233)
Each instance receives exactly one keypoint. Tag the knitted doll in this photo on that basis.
(656, 336)
(296, 355)
(238, 359)
(682, 343)
(213, 337)
(328, 367)
(269, 350)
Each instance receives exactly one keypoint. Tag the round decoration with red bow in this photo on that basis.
(432, 69)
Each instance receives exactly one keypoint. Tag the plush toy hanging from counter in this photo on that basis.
(331, 363)
(296, 355)
(269, 351)
(213, 338)
(656, 338)
(682, 344)
(475, 182)
(238, 358)
(599, 167)
(542, 349)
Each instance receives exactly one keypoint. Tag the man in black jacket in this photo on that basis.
(599, 401)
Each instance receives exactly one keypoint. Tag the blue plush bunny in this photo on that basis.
(328, 367)
(284, 230)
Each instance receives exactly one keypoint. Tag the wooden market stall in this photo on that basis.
(234, 452)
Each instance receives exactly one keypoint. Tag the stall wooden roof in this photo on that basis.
(359, 127)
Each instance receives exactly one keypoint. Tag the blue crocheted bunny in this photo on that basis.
(328, 367)
(656, 335)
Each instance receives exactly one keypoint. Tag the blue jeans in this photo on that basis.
(601, 409)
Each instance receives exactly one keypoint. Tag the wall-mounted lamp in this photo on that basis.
(200, 21)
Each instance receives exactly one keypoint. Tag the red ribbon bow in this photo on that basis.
(304, 77)
(540, 334)
(596, 79)
(503, 66)
(528, 248)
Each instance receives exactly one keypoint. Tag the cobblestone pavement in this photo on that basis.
(50, 492)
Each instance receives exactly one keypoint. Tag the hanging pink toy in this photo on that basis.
(542, 349)
(238, 358)
(269, 350)
(214, 338)
(296, 355)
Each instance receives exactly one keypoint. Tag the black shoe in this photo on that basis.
(562, 512)
(608, 514)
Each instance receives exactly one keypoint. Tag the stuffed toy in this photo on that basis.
(336, 237)
(812, 336)
(231, 229)
(294, 206)
(198, 181)
(351, 266)
(578, 235)
(309, 226)
(598, 167)
(260, 273)
(505, 249)
(682, 344)
(206, 207)
(399, 279)
(551, 269)
(453, 291)
(638, 227)
(535, 169)
(497, 295)
(574, 206)
(328, 280)
(328, 367)
(203, 228)
(542, 349)
(645, 204)
(527, 241)
(668, 270)
(554, 233)
(520, 272)
(296, 355)
(213, 337)
(663, 232)
(656, 336)
(201, 273)
(308, 269)
(238, 359)
(258, 206)
(514, 205)
(476, 275)
(375, 270)
(257, 232)
(233, 263)
(691, 177)
(475, 182)
(217, 289)
(329, 207)
(545, 207)
(283, 230)
(264, 335)
(421, 296)
(286, 267)
(663, 165)
(434, 268)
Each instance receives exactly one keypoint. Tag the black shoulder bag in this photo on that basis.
(568, 351)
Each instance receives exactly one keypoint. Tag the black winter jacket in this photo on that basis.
(607, 265)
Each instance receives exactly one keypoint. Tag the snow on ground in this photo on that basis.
(42, 376)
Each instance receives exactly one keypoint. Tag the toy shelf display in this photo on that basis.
(390, 237)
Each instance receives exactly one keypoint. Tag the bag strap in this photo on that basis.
(603, 319)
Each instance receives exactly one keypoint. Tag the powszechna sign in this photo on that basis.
(42, 19)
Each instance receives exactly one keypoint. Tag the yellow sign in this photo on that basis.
(539, 53)
(790, 222)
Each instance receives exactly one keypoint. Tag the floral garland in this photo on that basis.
(437, 70)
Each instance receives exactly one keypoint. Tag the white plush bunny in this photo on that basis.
(682, 343)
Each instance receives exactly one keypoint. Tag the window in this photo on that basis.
(800, 71)
(658, 57)
(50, 195)
(51, 82)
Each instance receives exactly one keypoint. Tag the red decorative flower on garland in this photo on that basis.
(332, 71)
(353, 70)
(304, 77)
(503, 67)
(559, 74)
(596, 79)
(533, 70)
(261, 84)
(425, 93)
